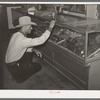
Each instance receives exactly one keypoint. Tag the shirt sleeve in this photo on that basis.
(29, 42)
(29, 49)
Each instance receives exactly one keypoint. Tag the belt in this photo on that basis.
(12, 63)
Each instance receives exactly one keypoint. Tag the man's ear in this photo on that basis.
(24, 27)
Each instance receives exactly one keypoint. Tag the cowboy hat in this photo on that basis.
(25, 20)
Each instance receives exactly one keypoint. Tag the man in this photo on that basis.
(17, 60)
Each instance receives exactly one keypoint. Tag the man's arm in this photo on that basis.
(29, 49)
(38, 53)
(29, 42)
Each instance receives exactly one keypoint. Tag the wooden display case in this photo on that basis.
(73, 49)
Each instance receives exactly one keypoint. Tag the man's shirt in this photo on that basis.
(19, 43)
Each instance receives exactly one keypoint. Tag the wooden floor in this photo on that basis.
(46, 79)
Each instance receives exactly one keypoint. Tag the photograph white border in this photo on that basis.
(49, 93)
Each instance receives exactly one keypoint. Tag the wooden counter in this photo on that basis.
(85, 76)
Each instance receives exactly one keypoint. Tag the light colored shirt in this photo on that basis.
(19, 43)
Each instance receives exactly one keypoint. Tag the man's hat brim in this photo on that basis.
(31, 23)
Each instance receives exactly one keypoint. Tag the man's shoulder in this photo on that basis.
(17, 34)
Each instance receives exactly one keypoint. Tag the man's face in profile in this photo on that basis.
(28, 29)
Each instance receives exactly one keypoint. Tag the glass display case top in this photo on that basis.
(84, 23)
(76, 41)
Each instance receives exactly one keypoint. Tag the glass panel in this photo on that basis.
(69, 20)
(93, 43)
(69, 39)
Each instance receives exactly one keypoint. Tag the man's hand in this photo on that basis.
(38, 53)
(52, 23)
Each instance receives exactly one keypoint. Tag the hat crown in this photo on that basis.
(25, 20)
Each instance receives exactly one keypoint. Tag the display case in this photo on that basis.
(78, 35)
(73, 48)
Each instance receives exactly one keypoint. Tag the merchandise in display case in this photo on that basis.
(70, 40)
(79, 35)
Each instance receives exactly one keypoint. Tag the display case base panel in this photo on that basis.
(64, 62)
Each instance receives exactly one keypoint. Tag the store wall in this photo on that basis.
(5, 34)
(3, 26)
(3, 41)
